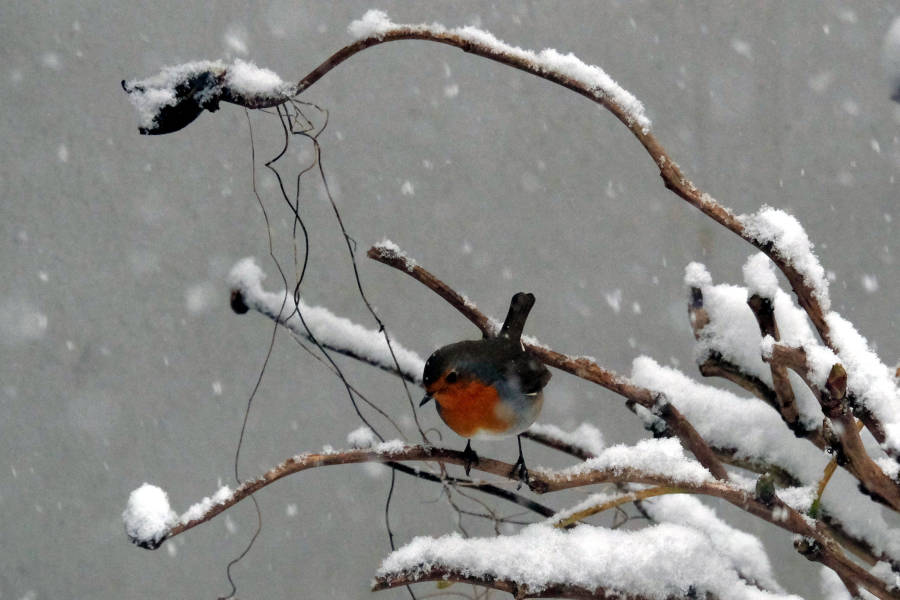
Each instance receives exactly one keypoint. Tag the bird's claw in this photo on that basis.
(470, 457)
(520, 472)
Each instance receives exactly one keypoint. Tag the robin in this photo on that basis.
(489, 388)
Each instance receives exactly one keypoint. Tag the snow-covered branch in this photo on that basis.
(319, 325)
(586, 562)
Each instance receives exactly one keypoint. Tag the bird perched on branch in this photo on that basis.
(489, 388)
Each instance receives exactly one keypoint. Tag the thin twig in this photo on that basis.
(616, 502)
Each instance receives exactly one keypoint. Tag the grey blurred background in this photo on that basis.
(120, 361)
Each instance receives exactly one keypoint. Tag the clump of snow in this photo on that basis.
(882, 570)
(664, 457)
(890, 467)
(614, 300)
(800, 498)
(249, 80)
(585, 437)
(391, 249)
(679, 558)
(199, 509)
(362, 437)
(151, 95)
(871, 381)
(390, 447)
(789, 240)
(148, 516)
(745, 551)
(696, 275)
(759, 276)
(329, 329)
(376, 24)
(202, 83)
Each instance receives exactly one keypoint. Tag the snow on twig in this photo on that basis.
(330, 330)
(376, 24)
(148, 516)
(732, 331)
(772, 226)
(174, 97)
(663, 456)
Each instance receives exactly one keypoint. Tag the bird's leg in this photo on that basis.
(470, 456)
(519, 470)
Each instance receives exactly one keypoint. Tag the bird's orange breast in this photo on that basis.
(471, 407)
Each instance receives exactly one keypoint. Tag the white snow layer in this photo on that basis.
(789, 240)
(745, 551)
(871, 381)
(664, 457)
(375, 23)
(362, 437)
(328, 328)
(656, 562)
(148, 516)
(733, 331)
(725, 420)
(756, 432)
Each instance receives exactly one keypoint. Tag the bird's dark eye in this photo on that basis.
(451, 377)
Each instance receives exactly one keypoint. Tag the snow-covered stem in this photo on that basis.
(331, 332)
(442, 573)
(580, 367)
(844, 436)
(821, 547)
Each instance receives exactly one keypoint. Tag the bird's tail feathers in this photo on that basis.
(519, 307)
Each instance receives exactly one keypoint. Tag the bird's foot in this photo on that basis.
(470, 457)
(520, 471)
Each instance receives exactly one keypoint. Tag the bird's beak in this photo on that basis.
(425, 400)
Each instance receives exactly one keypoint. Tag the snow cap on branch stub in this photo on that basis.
(174, 97)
